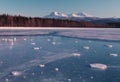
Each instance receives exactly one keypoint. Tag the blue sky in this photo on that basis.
(39, 8)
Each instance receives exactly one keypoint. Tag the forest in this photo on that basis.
(22, 21)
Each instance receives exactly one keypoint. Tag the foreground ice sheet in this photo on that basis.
(98, 66)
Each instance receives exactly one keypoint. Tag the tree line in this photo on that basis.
(22, 21)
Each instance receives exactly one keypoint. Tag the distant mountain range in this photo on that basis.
(82, 17)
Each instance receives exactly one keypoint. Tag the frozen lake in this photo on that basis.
(59, 56)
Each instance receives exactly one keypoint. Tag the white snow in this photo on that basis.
(33, 73)
(48, 40)
(69, 80)
(54, 43)
(56, 15)
(42, 65)
(6, 80)
(82, 14)
(91, 77)
(76, 41)
(24, 39)
(76, 54)
(36, 48)
(98, 66)
(16, 73)
(86, 47)
(113, 54)
(109, 46)
(63, 15)
(33, 43)
(56, 69)
(24, 77)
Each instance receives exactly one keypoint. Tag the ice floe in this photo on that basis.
(76, 41)
(86, 47)
(24, 77)
(113, 54)
(98, 66)
(16, 73)
(76, 54)
(6, 80)
(36, 48)
(91, 77)
(56, 69)
(90, 41)
(33, 73)
(69, 80)
(48, 40)
(33, 43)
(42, 65)
(109, 46)
(24, 39)
(54, 43)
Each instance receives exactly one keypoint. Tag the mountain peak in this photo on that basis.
(62, 15)
(85, 14)
(56, 15)
(82, 14)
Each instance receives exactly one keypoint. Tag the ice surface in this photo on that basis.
(51, 55)
(100, 34)
(98, 66)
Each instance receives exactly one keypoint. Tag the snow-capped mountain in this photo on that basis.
(74, 16)
(56, 15)
(81, 17)
(62, 15)
(83, 14)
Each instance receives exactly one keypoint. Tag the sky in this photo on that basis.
(40, 8)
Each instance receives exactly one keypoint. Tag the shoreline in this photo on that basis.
(83, 33)
(50, 28)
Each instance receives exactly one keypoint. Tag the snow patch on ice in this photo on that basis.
(36, 48)
(86, 47)
(56, 69)
(76, 54)
(16, 73)
(42, 65)
(98, 66)
(109, 46)
(113, 54)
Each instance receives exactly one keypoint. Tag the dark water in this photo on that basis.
(17, 53)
